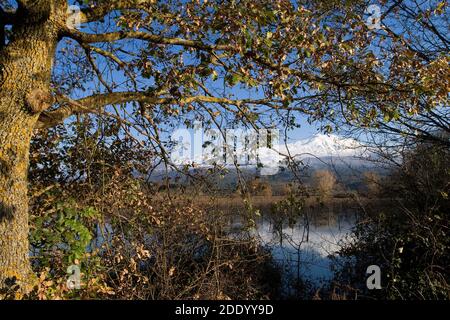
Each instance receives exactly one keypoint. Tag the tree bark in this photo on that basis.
(25, 71)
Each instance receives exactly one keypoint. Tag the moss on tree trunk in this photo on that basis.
(25, 71)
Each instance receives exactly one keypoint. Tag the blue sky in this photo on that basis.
(305, 130)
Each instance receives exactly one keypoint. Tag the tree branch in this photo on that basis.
(138, 35)
(96, 103)
(95, 13)
(7, 17)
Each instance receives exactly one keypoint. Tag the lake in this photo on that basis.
(304, 253)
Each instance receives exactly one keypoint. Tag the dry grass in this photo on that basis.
(319, 210)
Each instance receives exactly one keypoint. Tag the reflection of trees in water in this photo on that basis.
(302, 240)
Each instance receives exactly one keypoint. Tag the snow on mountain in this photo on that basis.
(320, 146)
(317, 146)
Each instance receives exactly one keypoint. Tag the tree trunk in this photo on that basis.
(25, 71)
(15, 135)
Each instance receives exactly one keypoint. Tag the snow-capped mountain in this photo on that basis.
(322, 145)
(318, 146)
(320, 151)
(317, 150)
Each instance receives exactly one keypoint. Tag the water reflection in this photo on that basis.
(303, 250)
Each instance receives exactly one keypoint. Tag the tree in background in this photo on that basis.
(324, 182)
(372, 182)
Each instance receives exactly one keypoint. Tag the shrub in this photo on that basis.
(408, 239)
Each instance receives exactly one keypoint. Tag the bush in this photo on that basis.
(408, 239)
(131, 243)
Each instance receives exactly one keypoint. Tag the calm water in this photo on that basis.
(303, 253)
